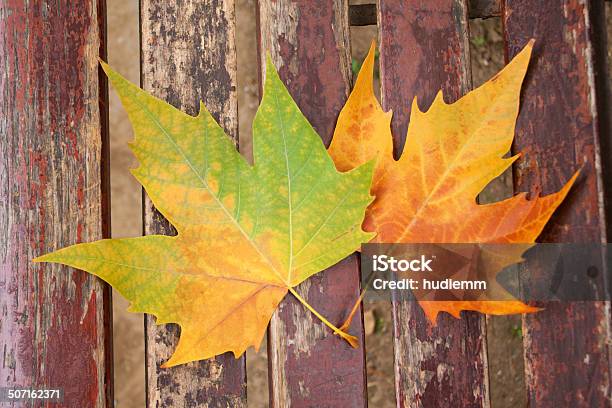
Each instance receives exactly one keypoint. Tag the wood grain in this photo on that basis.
(424, 47)
(362, 14)
(365, 14)
(308, 365)
(563, 126)
(54, 320)
(188, 55)
(484, 8)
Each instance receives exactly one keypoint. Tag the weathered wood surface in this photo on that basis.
(365, 14)
(424, 47)
(309, 366)
(484, 8)
(362, 14)
(562, 127)
(188, 55)
(54, 320)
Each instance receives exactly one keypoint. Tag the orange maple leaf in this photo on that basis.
(452, 152)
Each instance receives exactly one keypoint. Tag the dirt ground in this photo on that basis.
(505, 344)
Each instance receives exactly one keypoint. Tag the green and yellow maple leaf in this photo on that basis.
(246, 234)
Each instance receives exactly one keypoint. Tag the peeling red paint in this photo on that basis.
(559, 130)
(330, 372)
(423, 49)
(71, 356)
(53, 330)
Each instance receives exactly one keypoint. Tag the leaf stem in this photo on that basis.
(352, 340)
(349, 319)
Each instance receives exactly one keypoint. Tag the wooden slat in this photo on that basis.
(424, 47)
(53, 193)
(562, 127)
(484, 8)
(365, 14)
(188, 55)
(309, 366)
(362, 14)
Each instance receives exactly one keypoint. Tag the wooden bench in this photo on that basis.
(55, 323)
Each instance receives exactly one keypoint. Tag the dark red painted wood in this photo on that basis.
(188, 55)
(54, 320)
(424, 47)
(484, 8)
(362, 14)
(562, 127)
(365, 14)
(308, 365)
